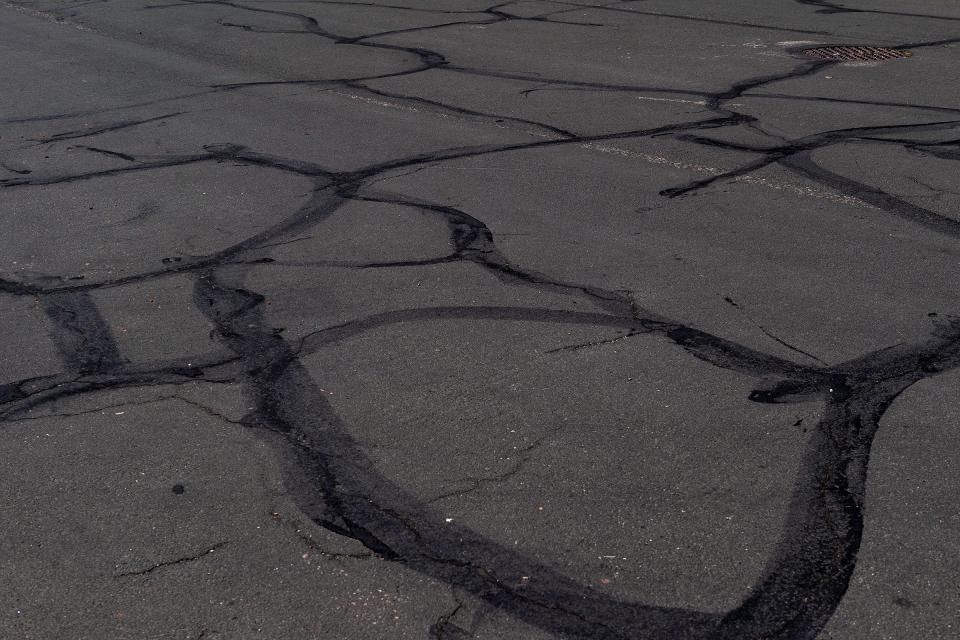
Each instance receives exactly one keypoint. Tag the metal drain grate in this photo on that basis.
(856, 53)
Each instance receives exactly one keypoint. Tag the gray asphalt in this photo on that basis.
(423, 319)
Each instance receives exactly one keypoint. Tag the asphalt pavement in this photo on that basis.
(426, 319)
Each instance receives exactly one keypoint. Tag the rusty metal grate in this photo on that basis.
(856, 53)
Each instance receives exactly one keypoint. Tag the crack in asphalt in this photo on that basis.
(171, 563)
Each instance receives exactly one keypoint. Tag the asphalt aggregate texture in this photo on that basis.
(443, 319)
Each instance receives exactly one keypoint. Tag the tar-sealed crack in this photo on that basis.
(328, 474)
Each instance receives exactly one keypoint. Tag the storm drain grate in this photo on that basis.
(856, 53)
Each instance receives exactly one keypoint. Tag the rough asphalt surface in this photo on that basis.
(444, 319)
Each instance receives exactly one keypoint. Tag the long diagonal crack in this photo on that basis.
(171, 563)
